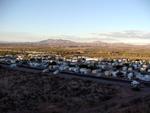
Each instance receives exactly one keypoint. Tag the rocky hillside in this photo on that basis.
(38, 93)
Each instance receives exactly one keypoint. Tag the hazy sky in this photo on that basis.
(78, 20)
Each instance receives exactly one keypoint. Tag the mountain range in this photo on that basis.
(61, 42)
(69, 43)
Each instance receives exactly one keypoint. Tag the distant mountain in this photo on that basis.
(68, 43)
(57, 42)
(61, 42)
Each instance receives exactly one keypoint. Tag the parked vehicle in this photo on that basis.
(135, 85)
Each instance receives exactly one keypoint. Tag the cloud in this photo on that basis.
(125, 34)
(132, 37)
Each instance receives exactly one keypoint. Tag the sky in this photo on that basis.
(126, 21)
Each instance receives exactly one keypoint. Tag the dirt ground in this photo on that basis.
(24, 92)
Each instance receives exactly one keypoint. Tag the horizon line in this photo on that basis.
(13, 42)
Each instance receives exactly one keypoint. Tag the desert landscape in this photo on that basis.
(74, 56)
